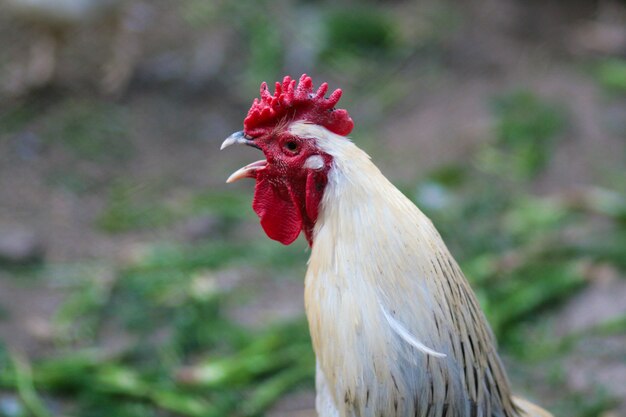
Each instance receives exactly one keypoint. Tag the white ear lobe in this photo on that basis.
(314, 162)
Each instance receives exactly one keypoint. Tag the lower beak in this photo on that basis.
(249, 171)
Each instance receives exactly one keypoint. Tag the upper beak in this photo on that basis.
(238, 138)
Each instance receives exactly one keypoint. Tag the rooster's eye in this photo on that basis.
(291, 146)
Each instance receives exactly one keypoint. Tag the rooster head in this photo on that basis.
(290, 182)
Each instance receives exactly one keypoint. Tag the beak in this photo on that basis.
(249, 171)
(239, 138)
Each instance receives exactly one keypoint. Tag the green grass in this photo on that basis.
(91, 130)
(359, 32)
(208, 366)
(131, 207)
(612, 75)
(14, 118)
(525, 133)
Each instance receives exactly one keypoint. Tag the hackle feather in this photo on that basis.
(396, 328)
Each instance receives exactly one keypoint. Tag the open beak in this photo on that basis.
(249, 171)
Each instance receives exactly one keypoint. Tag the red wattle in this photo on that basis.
(280, 217)
(315, 184)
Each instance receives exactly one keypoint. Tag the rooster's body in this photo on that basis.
(396, 329)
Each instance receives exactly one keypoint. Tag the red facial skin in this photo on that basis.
(287, 195)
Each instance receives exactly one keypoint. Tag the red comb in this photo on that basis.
(297, 103)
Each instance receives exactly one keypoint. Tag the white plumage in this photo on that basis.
(396, 329)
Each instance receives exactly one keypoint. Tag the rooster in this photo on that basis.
(396, 328)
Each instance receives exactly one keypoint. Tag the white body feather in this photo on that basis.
(396, 329)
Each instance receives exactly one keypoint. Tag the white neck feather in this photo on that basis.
(391, 316)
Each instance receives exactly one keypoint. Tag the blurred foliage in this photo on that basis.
(131, 207)
(525, 133)
(172, 289)
(612, 75)
(128, 208)
(263, 34)
(266, 52)
(91, 130)
(14, 118)
(361, 32)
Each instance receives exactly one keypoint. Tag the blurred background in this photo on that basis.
(135, 283)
